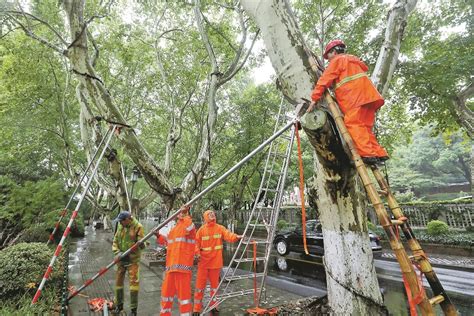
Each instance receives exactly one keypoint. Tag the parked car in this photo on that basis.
(285, 242)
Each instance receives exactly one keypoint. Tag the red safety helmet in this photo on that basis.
(331, 45)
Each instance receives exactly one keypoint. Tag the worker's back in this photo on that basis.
(353, 87)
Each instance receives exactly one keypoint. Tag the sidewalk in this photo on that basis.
(89, 254)
(438, 260)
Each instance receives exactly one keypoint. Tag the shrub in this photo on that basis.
(371, 226)
(376, 229)
(77, 229)
(36, 233)
(436, 228)
(282, 224)
(22, 268)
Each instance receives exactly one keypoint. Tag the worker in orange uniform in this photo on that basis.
(180, 243)
(209, 246)
(357, 97)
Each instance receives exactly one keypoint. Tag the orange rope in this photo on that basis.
(303, 210)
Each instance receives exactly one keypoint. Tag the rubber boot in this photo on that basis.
(215, 312)
(196, 314)
(117, 310)
(118, 301)
(134, 300)
(133, 312)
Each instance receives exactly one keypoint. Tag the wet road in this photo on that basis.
(308, 271)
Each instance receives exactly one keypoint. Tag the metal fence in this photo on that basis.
(458, 216)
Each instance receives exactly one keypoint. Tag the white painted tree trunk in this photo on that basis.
(351, 279)
(390, 50)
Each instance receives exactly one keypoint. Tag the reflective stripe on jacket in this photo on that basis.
(353, 86)
(180, 246)
(125, 237)
(209, 240)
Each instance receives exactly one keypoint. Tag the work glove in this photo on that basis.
(125, 259)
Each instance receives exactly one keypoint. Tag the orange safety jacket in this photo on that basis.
(209, 244)
(180, 244)
(352, 86)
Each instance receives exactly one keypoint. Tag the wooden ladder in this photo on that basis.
(391, 228)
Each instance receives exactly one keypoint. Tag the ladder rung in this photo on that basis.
(271, 190)
(250, 259)
(382, 192)
(257, 241)
(415, 257)
(261, 225)
(244, 276)
(436, 299)
(397, 222)
(224, 296)
(263, 207)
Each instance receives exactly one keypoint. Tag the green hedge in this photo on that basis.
(282, 224)
(22, 267)
(455, 238)
(37, 233)
(77, 229)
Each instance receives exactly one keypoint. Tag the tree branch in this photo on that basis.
(36, 37)
(26, 15)
(219, 32)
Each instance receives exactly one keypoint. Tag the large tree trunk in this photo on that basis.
(352, 288)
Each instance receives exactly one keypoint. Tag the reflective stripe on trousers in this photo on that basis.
(203, 274)
(176, 284)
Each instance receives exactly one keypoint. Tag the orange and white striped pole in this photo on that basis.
(64, 211)
(71, 220)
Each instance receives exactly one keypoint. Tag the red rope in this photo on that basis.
(303, 210)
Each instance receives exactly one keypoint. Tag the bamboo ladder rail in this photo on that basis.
(403, 259)
(384, 219)
(419, 255)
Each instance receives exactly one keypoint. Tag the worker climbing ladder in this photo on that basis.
(252, 253)
(414, 285)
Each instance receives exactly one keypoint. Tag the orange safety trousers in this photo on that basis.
(176, 283)
(359, 122)
(203, 274)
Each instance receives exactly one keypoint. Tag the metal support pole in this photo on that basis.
(63, 213)
(71, 220)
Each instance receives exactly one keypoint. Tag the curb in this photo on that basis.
(436, 265)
